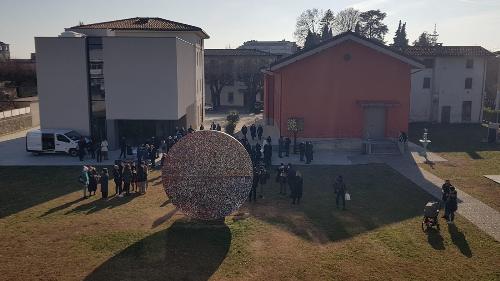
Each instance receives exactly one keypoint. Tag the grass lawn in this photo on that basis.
(48, 233)
(468, 158)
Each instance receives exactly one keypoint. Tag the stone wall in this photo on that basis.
(14, 124)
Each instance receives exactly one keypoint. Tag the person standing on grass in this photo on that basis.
(281, 178)
(290, 177)
(104, 149)
(134, 181)
(117, 178)
(93, 179)
(152, 156)
(104, 183)
(255, 183)
(253, 131)
(451, 206)
(263, 176)
(141, 178)
(127, 179)
(260, 132)
(297, 189)
(84, 180)
(244, 131)
(340, 191)
(268, 154)
(218, 127)
(445, 188)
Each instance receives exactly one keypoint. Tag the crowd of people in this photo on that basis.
(97, 149)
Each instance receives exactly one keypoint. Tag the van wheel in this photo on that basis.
(73, 152)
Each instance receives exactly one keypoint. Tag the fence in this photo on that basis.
(15, 112)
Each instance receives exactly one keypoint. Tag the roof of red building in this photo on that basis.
(349, 35)
(141, 23)
(447, 51)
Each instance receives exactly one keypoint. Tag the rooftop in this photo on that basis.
(142, 23)
(236, 52)
(447, 51)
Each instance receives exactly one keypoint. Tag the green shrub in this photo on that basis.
(491, 115)
(233, 117)
(230, 126)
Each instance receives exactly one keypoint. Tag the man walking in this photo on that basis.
(252, 131)
(123, 148)
(260, 132)
(340, 191)
(244, 131)
(302, 151)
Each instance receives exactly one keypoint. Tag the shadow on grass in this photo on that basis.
(187, 250)
(62, 207)
(380, 196)
(101, 204)
(435, 239)
(458, 238)
(164, 218)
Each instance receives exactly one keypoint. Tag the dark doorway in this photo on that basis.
(141, 131)
(445, 114)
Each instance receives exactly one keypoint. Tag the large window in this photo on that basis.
(469, 63)
(427, 83)
(468, 83)
(466, 111)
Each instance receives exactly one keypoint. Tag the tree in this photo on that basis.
(326, 33)
(312, 39)
(372, 25)
(357, 28)
(249, 72)
(308, 21)
(400, 40)
(326, 23)
(423, 40)
(346, 20)
(218, 74)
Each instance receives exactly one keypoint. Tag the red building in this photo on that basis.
(346, 87)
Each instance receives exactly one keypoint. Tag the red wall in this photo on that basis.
(324, 90)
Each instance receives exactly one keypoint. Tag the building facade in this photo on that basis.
(451, 87)
(348, 87)
(134, 78)
(4, 51)
(281, 48)
(230, 65)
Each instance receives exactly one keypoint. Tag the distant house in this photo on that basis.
(281, 48)
(232, 63)
(348, 88)
(451, 88)
(134, 78)
(4, 51)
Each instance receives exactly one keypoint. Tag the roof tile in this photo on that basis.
(447, 51)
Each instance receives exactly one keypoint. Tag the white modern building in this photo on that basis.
(280, 48)
(137, 77)
(451, 88)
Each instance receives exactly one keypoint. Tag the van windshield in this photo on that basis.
(73, 135)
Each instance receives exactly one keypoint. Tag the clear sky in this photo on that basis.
(231, 22)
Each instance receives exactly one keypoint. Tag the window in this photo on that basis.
(469, 63)
(427, 83)
(1, 48)
(468, 83)
(230, 97)
(466, 111)
(429, 63)
(62, 138)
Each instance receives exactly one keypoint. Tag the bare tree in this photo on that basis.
(249, 72)
(346, 20)
(218, 74)
(309, 20)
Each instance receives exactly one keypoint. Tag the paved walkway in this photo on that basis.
(480, 214)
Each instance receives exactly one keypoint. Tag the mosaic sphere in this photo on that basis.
(207, 174)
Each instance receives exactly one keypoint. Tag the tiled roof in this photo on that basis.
(138, 23)
(447, 51)
(236, 52)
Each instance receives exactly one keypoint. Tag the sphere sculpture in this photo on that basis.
(207, 175)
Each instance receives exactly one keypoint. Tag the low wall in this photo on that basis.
(14, 124)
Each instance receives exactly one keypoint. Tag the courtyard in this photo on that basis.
(55, 235)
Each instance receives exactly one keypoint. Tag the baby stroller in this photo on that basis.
(431, 214)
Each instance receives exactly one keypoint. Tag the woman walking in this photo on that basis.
(104, 183)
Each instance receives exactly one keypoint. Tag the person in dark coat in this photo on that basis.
(302, 150)
(290, 178)
(123, 148)
(257, 152)
(190, 129)
(260, 132)
(268, 139)
(93, 179)
(297, 188)
(451, 206)
(218, 127)
(268, 154)
(445, 188)
(202, 127)
(81, 148)
(244, 131)
(104, 183)
(253, 130)
(127, 179)
(255, 183)
(213, 126)
(152, 156)
(98, 151)
(281, 178)
(309, 152)
(281, 146)
(92, 148)
(117, 178)
(340, 191)
(263, 176)
(287, 146)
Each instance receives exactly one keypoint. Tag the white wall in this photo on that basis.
(62, 83)
(186, 79)
(140, 76)
(448, 85)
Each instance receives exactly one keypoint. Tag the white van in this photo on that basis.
(53, 141)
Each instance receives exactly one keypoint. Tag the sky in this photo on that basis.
(232, 22)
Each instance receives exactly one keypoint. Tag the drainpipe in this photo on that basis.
(482, 93)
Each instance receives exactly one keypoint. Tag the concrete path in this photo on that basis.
(480, 214)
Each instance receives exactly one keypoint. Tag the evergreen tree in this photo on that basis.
(397, 36)
(404, 38)
(326, 33)
(423, 40)
(372, 25)
(357, 28)
(400, 40)
(312, 39)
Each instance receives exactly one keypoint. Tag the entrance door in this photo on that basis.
(48, 142)
(374, 122)
(445, 114)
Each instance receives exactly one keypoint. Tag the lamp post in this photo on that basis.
(425, 141)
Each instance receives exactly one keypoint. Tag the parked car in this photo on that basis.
(53, 141)
(209, 107)
(258, 107)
